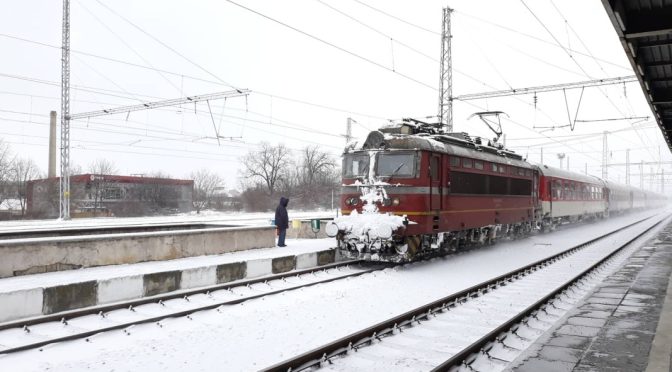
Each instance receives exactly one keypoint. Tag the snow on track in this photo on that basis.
(262, 332)
(423, 347)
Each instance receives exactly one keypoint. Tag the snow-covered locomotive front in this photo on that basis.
(412, 191)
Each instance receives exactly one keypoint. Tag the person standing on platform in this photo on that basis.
(282, 221)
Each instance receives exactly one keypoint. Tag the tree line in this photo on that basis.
(309, 177)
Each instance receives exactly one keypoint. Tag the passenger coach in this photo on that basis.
(569, 196)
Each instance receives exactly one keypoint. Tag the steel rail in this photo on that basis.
(130, 305)
(492, 335)
(354, 340)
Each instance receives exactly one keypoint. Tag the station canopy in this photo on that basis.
(645, 30)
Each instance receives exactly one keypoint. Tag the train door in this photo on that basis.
(436, 190)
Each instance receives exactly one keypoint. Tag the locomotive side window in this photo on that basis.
(396, 165)
(494, 167)
(478, 165)
(498, 185)
(468, 183)
(520, 187)
(521, 171)
(355, 165)
(454, 161)
(434, 168)
(502, 169)
(467, 163)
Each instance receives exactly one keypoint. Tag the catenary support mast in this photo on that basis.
(64, 187)
(446, 75)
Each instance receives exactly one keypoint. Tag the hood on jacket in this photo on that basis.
(284, 201)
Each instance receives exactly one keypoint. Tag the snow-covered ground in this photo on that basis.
(262, 332)
(234, 218)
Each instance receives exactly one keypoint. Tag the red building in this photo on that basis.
(111, 195)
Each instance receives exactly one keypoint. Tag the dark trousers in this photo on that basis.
(281, 236)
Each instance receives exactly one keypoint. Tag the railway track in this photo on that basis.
(485, 325)
(39, 331)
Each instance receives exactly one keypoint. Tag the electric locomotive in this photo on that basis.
(411, 191)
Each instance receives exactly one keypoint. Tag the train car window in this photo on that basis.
(567, 193)
(355, 165)
(520, 187)
(494, 167)
(502, 169)
(454, 161)
(434, 168)
(557, 189)
(478, 165)
(395, 165)
(521, 171)
(467, 163)
(528, 173)
(468, 183)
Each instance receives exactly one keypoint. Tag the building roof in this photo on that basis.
(645, 30)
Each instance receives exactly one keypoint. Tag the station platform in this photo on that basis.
(52, 292)
(624, 325)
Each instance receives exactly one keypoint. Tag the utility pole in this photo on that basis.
(64, 198)
(627, 167)
(641, 174)
(605, 157)
(585, 170)
(446, 75)
(542, 156)
(567, 162)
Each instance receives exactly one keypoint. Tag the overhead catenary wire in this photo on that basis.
(365, 59)
(578, 65)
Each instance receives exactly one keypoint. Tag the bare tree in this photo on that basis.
(5, 170)
(100, 168)
(22, 171)
(318, 176)
(267, 166)
(205, 185)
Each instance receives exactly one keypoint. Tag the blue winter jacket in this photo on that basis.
(281, 219)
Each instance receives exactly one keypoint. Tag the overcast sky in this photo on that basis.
(382, 64)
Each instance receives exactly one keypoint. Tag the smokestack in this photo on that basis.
(52, 144)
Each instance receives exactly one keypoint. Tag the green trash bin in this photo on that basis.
(315, 225)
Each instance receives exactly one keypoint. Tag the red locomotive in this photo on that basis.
(411, 191)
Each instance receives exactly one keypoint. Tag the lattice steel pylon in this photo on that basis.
(64, 187)
(446, 75)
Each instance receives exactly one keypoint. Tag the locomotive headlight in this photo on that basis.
(395, 201)
(354, 201)
(387, 202)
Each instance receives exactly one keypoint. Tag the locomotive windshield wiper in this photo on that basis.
(396, 170)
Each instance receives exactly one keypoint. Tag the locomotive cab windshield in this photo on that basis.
(356, 165)
(401, 165)
(387, 164)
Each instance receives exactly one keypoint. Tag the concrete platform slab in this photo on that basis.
(624, 325)
(47, 293)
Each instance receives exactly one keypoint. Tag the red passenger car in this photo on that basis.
(569, 196)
